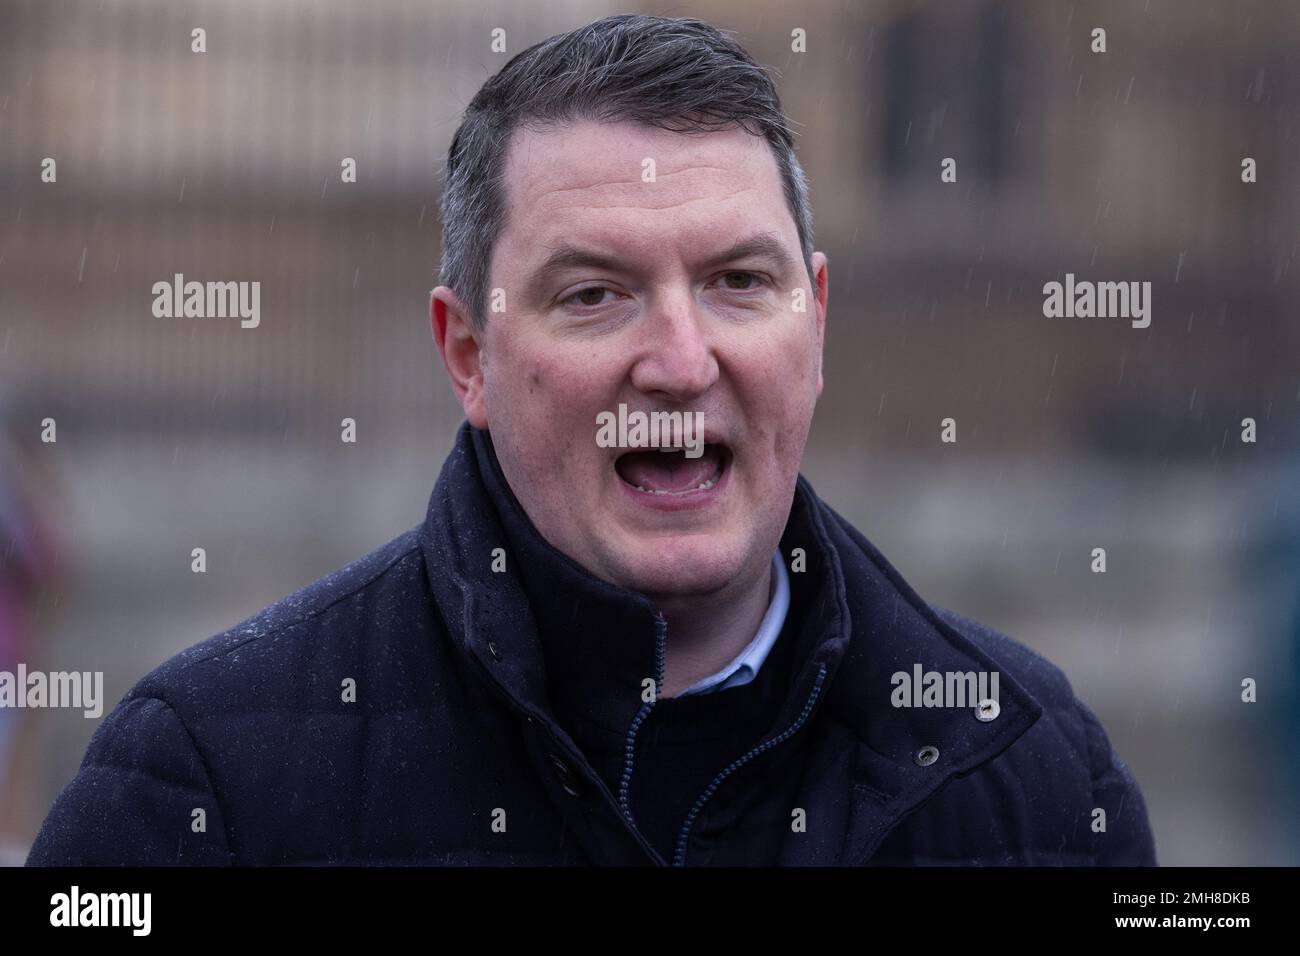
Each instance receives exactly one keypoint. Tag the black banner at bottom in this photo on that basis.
(337, 905)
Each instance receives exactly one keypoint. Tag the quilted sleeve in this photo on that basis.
(142, 797)
(1127, 840)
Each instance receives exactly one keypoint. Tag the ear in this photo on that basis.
(461, 350)
(822, 291)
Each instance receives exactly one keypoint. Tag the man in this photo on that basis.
(600, 648)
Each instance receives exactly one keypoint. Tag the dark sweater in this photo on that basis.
(682, 744)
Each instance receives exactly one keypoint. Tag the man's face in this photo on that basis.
(668, 320)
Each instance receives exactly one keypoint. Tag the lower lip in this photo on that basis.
(687, 502)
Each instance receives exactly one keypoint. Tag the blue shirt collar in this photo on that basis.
(744, 667)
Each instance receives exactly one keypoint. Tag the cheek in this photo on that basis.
(784, 373)
(554, 418)
(785, 386)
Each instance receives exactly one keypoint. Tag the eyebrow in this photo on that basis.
(765, 245)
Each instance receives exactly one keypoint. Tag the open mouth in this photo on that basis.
(655, 471)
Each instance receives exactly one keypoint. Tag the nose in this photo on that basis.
(677, 361)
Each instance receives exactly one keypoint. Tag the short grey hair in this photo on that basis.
(679, 74)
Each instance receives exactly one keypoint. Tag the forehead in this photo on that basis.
(593, 176)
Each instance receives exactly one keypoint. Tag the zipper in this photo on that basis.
(679, 857)
(629, 747)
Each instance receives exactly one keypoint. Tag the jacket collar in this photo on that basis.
(858, 623)
(895, 630)
(546, 622)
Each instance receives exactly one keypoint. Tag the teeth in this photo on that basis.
(702, 486)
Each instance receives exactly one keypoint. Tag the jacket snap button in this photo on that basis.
(926, 755)
(568, 780)
(988, 709)
(492, 648)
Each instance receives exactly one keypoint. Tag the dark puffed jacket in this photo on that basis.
(467, 694)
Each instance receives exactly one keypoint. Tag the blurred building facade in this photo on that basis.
(1073, 433)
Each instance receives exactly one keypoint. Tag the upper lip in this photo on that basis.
(711, 437)
(712, 434)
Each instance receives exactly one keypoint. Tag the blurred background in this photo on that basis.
(1072, 433)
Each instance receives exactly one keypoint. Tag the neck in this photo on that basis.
(705, 633)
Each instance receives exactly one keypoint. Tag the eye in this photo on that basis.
(576, 298)
(729, 277)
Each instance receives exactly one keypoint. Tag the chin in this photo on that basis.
(693, 565)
